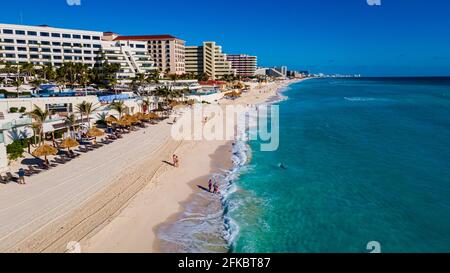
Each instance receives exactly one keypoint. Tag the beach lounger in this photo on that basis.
(3, 180)
(10, 177)
(33, 170)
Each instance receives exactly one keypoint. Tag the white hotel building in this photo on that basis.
(42, 45)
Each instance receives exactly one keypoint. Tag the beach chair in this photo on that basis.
(33, 170)
(10, 177)
(3, 180)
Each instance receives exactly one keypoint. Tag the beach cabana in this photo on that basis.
(45, 150)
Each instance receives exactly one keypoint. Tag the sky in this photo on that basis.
(396, 38)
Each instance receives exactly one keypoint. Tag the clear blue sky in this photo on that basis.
(400, 37)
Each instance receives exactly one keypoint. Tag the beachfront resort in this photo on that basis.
(74, 102)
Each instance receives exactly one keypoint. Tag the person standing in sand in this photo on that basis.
(22, 176)
(210, 185)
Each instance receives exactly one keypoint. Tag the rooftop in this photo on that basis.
(146, 37)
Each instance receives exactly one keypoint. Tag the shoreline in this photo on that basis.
(147, 212)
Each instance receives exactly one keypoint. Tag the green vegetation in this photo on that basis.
(15, 150)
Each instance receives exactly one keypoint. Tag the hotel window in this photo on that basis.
(45, 34)
(32, 42)
(34, 49)
(67, 51)
(75, 36)
(20, 32)
(67, 44)
(77, 45)
(10, 55)
(46, 50)
(77, 51)
(46, 57)
(56, 43)
(67, 57)
(56, 35)
(22, 56)
(86, 37)
(45, 43)
(140, 46)
(97, 46)
(34, 56)
(8, 41)
(22, 42)
(87, 45)
(32, 33)
(8, 31)
(97, 38)
(57, 50)
(87, 52)
(67, 36)
(22, 49)
(9, 48)
(87, 58)
(57, 57)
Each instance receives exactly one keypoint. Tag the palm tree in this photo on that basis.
(39, 116)
(70, 122)
(138, 81)
(119, 107)
(86, 109)
(28, 70)
(18, 83)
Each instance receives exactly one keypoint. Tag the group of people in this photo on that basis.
(175, 161)
(213, 187)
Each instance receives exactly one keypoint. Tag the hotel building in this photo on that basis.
(44, 45)
(208, 59)
(245, 65)
(167, 51)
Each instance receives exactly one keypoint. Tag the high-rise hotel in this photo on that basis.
(44, 45)
(245, 65)
(167, 51)
(208, 59)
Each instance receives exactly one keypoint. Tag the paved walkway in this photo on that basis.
(55, 193)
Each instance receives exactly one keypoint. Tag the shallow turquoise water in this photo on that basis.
(367, 160)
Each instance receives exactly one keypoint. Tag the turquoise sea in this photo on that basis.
(366, 159)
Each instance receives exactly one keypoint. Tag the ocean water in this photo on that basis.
(366, 160)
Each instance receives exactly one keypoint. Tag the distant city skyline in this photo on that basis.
(401, 38)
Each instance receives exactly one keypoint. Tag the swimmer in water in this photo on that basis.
(281, 166)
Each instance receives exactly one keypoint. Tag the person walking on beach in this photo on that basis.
(176, 162)
(210, 185)
(216, 189)
(22, 176)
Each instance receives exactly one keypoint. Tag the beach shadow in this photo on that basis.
(31, 161)
(168, 163)
(203, 188)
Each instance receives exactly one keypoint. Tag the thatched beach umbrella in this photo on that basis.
(95, 132)
(131, 119)
(139, 116)
(69, 143)
(45, 150)
(111, 119)
(123, 122)
(152, 116)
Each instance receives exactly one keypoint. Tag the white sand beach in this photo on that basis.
(113, 198)
(133, 230)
